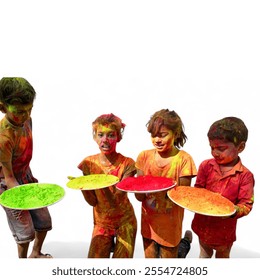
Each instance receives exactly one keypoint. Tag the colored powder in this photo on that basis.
(92, 182)
(202, 201)
(31, 196)
(147, 183)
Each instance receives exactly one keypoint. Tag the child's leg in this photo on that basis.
(205, 250)
(223, 251)
(21, 226)
(151, 248)
(23, 249)
(100, 246)
(42, 224)
(168, 252)
(125, 241)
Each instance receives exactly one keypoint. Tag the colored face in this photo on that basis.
(225, 153)
(106, 139)
(163, 141)
(18, 114)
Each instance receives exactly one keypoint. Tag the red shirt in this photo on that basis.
(236, 185)
(16, 146)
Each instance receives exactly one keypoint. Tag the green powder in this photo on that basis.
(31, 196)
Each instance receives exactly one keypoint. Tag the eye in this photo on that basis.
(111, 135)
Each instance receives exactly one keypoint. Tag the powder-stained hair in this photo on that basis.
(111, 121)
(172, 121)
(230, 129)
(16, 90)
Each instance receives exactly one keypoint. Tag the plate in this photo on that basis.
(92, 182)
(202, 201)
(145, 184)
(31, 196)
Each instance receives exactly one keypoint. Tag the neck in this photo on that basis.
(169, 153)
(108, 159)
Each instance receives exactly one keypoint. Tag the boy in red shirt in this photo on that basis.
(224, 174)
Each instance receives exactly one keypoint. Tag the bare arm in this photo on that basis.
(140, 196)
(184, 181)
(90, 197)
(10, 179)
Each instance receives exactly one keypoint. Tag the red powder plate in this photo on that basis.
(145, 184)
(202, 201)
(92, 182)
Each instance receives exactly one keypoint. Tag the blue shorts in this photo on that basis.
(24, 223)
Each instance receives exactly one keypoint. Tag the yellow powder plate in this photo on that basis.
(201, 201)
(31, 196)
(92, 182)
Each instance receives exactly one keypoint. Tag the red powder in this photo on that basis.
(146, 183)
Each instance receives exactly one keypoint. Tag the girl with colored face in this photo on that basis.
(114, 218)
(161, 219)
(163, 141)
(224, 174)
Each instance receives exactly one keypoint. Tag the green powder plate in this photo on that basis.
(31, 196)
(92, 182)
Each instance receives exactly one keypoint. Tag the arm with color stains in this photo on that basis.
(90, 197)
(140, 196)
(9, 177)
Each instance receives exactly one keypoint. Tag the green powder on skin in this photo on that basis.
(31, 196)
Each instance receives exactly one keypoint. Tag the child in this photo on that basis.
(114, 216)
(224, 174)
(161, 223)
(16, 102)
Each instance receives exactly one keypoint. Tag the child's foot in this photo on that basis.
(188, 235)
(41, 255)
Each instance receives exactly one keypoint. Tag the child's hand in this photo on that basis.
(233, 215)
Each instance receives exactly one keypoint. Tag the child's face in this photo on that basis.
(106, 138)
(18, 114)
(225, 153)
(163, 141)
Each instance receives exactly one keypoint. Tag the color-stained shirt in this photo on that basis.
(122, 212)
(161, 218)
(16, 146)
(238, 186)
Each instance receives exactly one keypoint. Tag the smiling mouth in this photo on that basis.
(159, 146)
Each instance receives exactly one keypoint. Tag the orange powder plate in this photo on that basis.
(145, 184)
(201, 201)
(92, 182)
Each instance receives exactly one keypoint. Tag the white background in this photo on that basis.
(130, 58)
